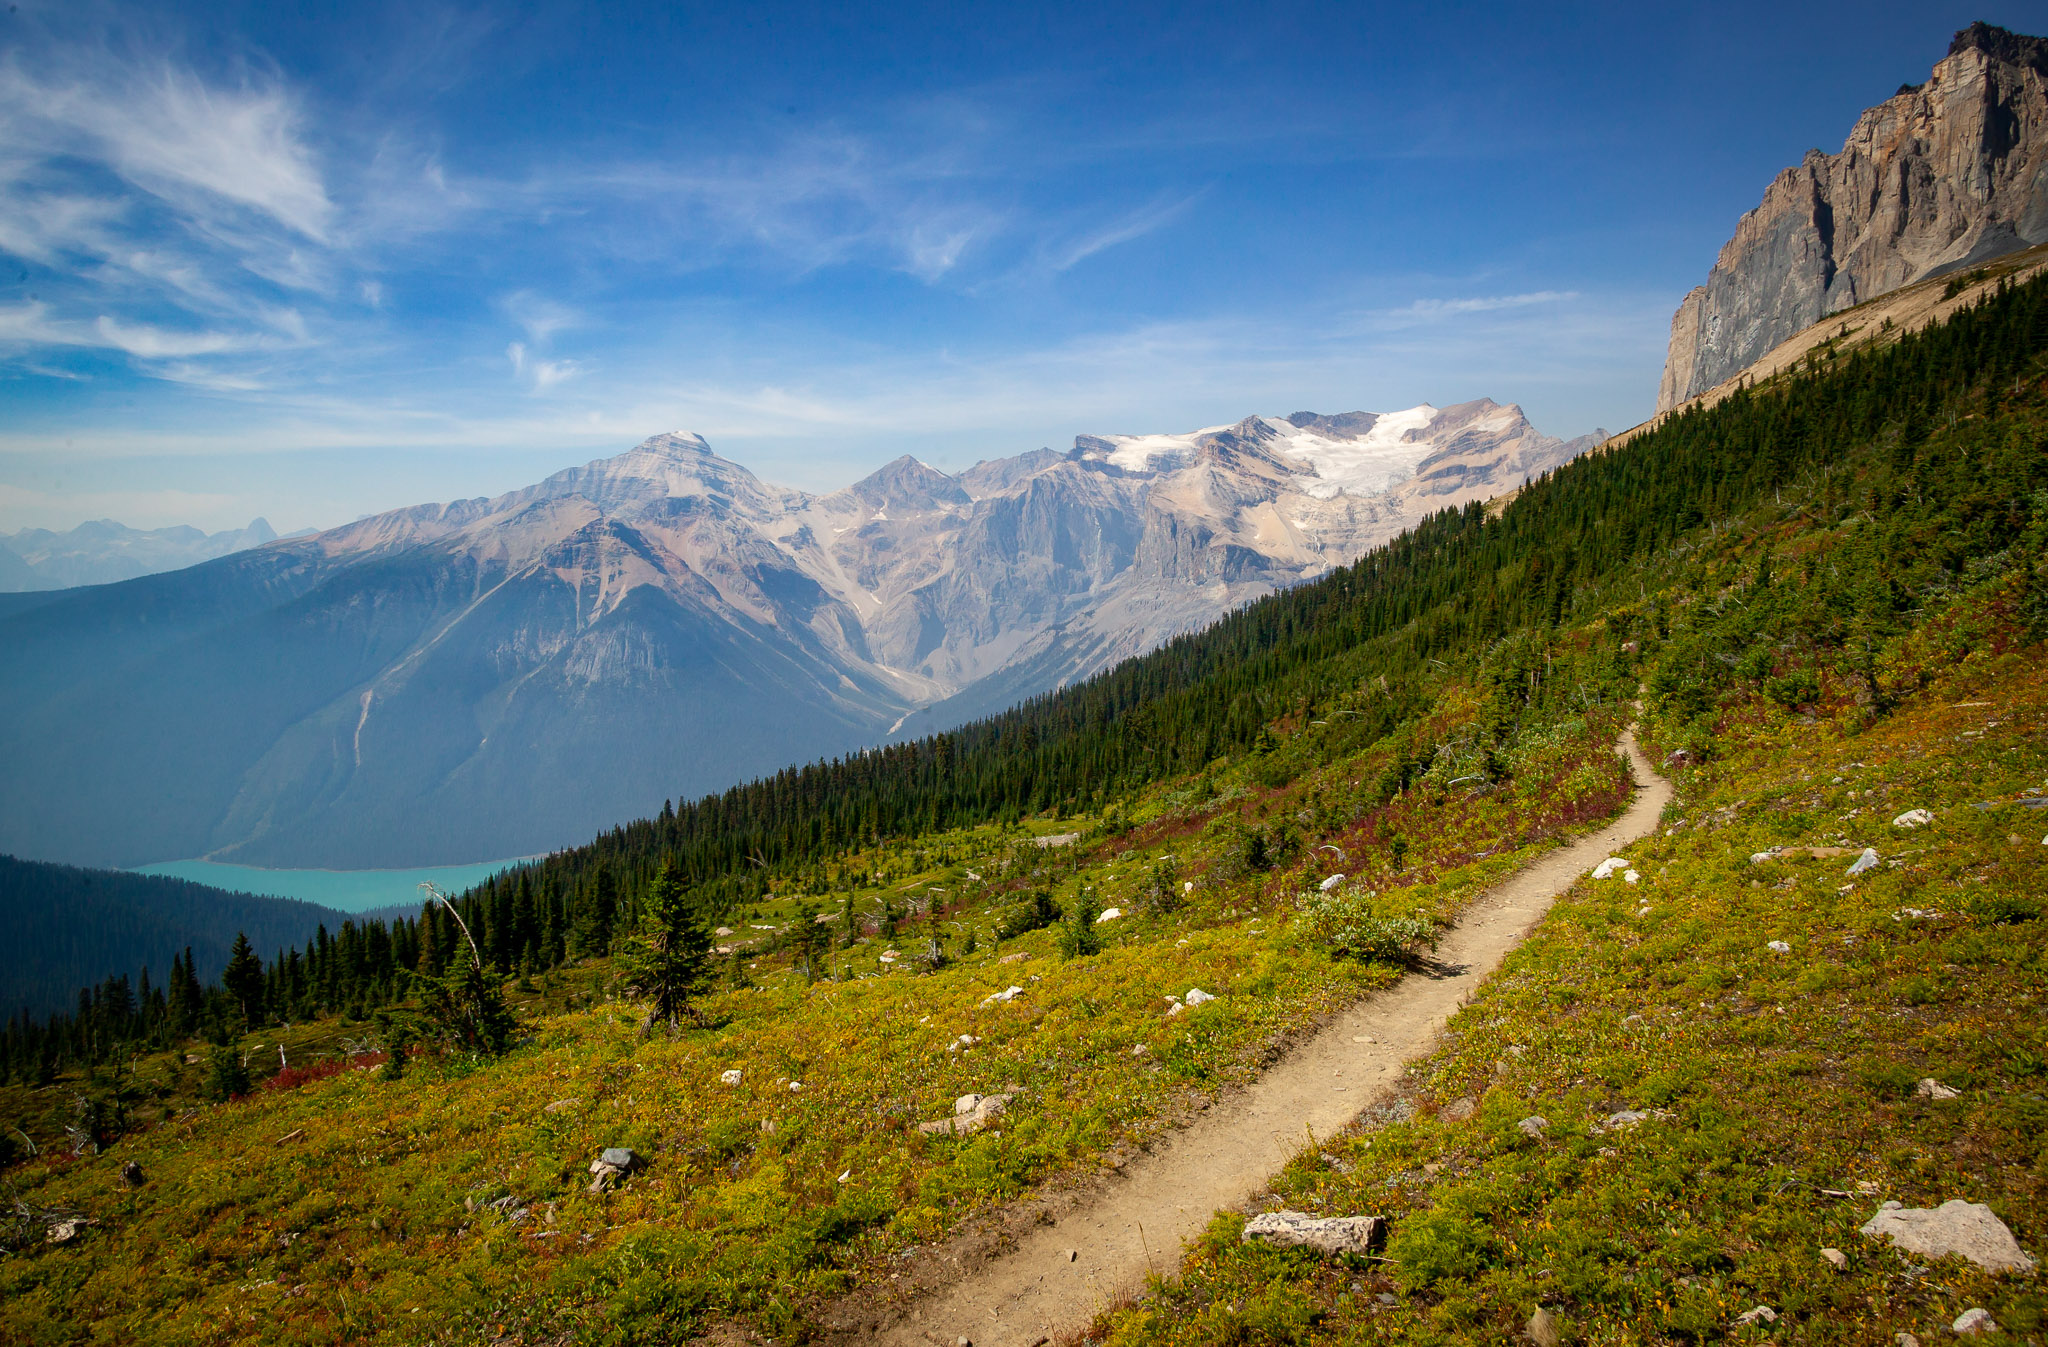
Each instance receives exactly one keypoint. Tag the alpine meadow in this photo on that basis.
(1326, 879)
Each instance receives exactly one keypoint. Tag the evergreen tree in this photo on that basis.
(243, 981)
(669, 955)
(227, 1077)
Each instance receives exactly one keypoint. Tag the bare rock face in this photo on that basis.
(1935, 179)
(1955, 1227)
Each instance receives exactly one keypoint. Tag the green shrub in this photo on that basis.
(1347, 927)
(2004, 909)
(1887, 1078)
(1437, 1246)
(1036, 911)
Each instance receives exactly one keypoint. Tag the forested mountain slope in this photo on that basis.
(67, 928)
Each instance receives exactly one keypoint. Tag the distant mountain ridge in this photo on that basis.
(102, 552)
(503, 676)
(1938, 178)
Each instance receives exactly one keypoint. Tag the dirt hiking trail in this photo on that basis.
(1165, 1197)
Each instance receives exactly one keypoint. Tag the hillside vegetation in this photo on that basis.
(1800, 584)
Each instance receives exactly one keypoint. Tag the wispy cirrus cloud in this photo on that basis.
(1451, 308)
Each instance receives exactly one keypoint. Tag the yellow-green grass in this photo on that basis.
(355, 1206)
(1776, 1081)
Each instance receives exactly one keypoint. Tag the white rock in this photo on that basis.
(1913, 818)
(1007, 994)
(1778, 947)
(1954, 1227)
(1867, 861)
(1631, 878)
(1196, 996)
(1836, 1259)
(987, 1107)
(1975, 1323)
(729, 1078)
(1762, 1314)
(1189, 885)
(1905, 1340)
(1758, 858)
(723, 931)
(1542, 1328)
(966, 1104)
(1176, 1009)
(1110, 914)
(1324, 1234)
(1332, 882)
(795, 1085)
(1930, 1088)
(1139, 1050)
(1606, 868)
(1533, 1127)
(1625, 1119)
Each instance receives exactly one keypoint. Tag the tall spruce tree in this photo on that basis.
(243, 980)
(669, 954)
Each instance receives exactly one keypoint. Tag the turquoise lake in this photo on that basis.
(349, 890)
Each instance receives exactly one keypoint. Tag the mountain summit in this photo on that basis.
(495, 677)
(1938, 178)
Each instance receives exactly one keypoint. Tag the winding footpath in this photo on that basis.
(1166, 1197)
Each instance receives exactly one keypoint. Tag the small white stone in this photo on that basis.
(1836, 1259)
(1867, 861)
(1110, 914)
(1332, 882)
(1913, 818)
(1606, 868)
(1930, 1088)
(729, 1078)
(1778, 947)
(795, 1085)
(1196, 996)
(1762, 1314)
(1975, 1323)
(1631, 878)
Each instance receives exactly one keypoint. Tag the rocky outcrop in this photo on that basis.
(1938, 178)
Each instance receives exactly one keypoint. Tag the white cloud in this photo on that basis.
(175, 136)
(1446, 308)
(1134, 225)
(541, 374)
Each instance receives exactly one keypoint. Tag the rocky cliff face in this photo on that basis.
(1935, 179)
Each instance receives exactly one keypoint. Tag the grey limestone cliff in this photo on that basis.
(1937, 178)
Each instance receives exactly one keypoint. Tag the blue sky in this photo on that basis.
(317, 260)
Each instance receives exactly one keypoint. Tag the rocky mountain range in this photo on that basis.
(1939, 178)
(496, 677)
(102, 551)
